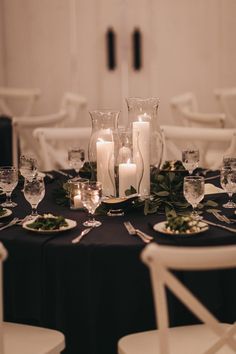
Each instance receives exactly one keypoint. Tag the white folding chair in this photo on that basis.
(25, 339)
(207, 338)
(226, 98)
(74, 105)
(212, 143)
(23, 131)
(12, 98)
(185, 112)
(51, 156)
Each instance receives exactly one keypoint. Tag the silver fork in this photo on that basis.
(11, 223)
(221, 217)
(132, 231)
(81, 235)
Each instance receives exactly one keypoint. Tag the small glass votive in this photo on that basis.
(75, 192)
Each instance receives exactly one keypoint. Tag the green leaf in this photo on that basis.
(211, 203)
(130, 191)
(171, 176)
(163, 194)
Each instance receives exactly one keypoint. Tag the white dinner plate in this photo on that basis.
(161, 227)
(7, 213)
(71, 225)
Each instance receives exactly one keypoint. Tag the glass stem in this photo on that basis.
(8, 197)
(230, 197)
(91, 216)
(194, 212)
(34, 210)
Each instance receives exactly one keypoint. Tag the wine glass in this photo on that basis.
(91, 196)
(28, 166)
(34, 192)
(194, 192)
(190, 160)
(229, 161)
(76, 157)
(8, 182)
(228, 183)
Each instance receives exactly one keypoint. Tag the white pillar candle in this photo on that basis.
(105, 149)
(77, 201)
(127, 177)
(142, 130)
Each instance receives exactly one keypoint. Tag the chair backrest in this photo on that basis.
(51, 156)
(73, 104)
(3, 255)
(23, 130)
(161, 260)
(226, 98)
(10, 97)
(179, 102)
(185, 112)
(212, 143)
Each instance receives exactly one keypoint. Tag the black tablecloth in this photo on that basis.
(99, 290)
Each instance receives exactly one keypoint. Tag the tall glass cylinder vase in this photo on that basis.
(142, 114)
(126, 165)
(101, 146)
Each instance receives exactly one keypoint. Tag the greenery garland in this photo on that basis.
(166, 191)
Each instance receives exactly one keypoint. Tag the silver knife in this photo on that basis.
(81, 235)
(220, 226)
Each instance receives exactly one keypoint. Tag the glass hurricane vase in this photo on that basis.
(126, 165)
(142, 114)
(101, 147)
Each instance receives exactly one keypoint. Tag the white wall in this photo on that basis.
(188, 45)
(2, 44)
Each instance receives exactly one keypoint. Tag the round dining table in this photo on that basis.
(98, 290)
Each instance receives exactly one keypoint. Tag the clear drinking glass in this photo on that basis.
(76, 157)
(194, 192)
(91, 196)
(28, 166)
(34, 192)
(190, 160)
(8, 182)
(229, 161)
(228, 183)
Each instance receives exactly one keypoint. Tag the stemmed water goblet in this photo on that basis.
(229, 161)
(194, 192)
(228, 183)
(8, 182)
(190, 159)
(28, 166)
(34, 192)
(91, 196)
(76, 158)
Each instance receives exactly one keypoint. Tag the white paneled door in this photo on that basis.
(58, 46)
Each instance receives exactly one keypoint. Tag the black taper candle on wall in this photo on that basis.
(111, 49)
(137, 49)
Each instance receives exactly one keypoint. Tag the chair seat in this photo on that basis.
(24, 339)
(183, 340)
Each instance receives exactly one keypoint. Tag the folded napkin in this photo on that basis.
(211, 189)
